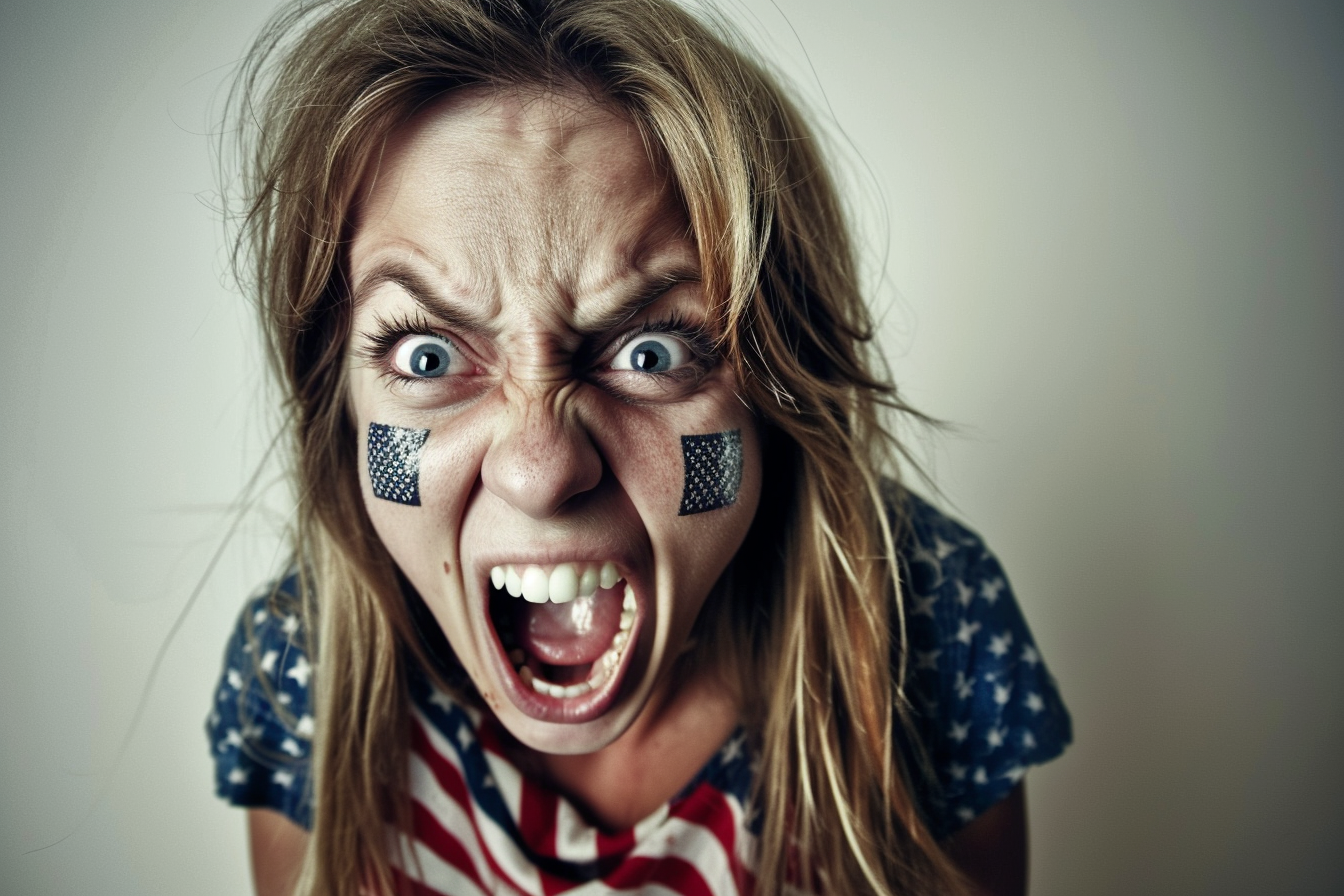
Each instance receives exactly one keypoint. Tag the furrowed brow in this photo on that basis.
(650, 291)
(422, 294)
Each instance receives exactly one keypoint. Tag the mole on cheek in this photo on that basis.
(713, 471)
(394, 462)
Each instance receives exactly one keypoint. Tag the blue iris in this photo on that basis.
(650, 356)
(429, 359)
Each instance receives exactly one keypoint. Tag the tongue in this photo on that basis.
(572, 633)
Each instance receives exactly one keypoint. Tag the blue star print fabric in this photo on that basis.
(261, 724)
(985, 706)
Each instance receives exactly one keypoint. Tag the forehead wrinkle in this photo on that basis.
(538, 246)
(520, 176)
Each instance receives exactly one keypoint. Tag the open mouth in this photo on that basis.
(564, 629)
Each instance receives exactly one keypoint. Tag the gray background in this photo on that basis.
(1106, 240)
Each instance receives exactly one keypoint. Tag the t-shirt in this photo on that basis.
(985, 707)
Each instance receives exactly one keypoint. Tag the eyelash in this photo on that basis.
(388, 332)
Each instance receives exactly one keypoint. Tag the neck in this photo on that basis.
(687, 719)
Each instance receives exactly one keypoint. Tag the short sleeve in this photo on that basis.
(987, 706)
(261, 724)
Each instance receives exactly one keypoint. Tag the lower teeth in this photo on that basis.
(601, 669)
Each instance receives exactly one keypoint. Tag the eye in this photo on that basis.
(652, 353)
(425, 357)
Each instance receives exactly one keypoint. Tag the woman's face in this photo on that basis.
(539, 406)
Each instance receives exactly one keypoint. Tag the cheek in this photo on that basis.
(685, 470)
(695, 478)
(414, 492)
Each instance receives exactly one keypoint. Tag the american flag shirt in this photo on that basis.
(986, 709)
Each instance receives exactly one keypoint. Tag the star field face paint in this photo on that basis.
(713, 471)
(394, 462)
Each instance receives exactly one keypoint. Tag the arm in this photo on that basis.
(992, 850)
(277, 845)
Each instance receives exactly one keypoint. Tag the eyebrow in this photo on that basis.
(649, 292)
(423, 294)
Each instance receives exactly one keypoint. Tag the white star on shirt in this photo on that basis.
(1015, 774)
(1034, 702)
(1001, 693)
(234, 678)
(942, 548)
(304, 726)
(924, 605)
(233, 737)
(464, 735)
(966, 631)
(995, 737)
(965, 593)
(980, 777)
(300, 670)
(927, 659)
(959, 731)
(291, 746)
(259, 617)
(1030, 656)
(237, 776)
(965, 814)
(290, 625)
(958, 772)
(921, 554)
(441, 700)
(733, 750)
(990, 590)
(1028, 740)
(268, 661)
(999, 644)
(283, 777)
(965, 686)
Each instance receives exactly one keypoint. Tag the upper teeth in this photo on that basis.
(563, 583)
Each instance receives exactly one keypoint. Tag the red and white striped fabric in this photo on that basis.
(482, 827)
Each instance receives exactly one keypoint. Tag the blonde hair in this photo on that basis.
(811, 602)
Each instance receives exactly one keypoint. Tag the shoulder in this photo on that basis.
(261, 724)
(986, 706)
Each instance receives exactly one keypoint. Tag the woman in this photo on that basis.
(592, 514)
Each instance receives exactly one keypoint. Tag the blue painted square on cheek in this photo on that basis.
(394, 462)
(713, 471)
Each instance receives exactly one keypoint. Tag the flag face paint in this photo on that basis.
(713, 471)
(394, 462)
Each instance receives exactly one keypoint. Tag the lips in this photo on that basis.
(564, 630)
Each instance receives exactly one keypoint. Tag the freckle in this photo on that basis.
(447, 568)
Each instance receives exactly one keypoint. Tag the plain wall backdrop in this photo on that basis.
(1105, 240)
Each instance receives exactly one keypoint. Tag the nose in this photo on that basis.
(541, 457)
